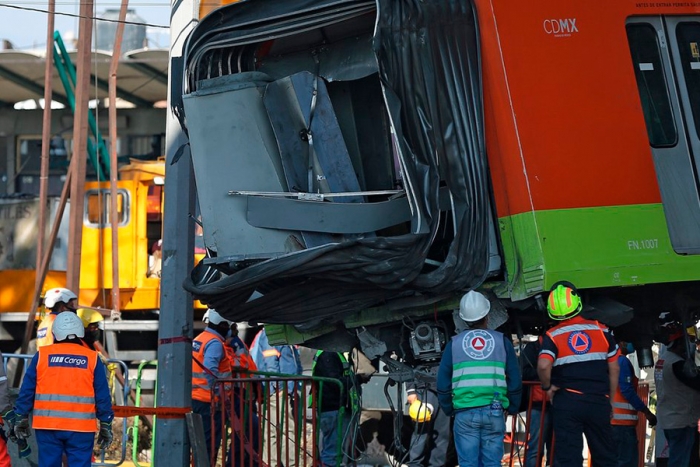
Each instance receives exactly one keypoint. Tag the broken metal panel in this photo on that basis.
(335, 218)
(234, 132)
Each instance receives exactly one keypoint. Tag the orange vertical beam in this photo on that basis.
(45, 136)
(80, 135)
(114, 218)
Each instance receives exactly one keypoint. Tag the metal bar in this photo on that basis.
(126, 95)
(80, 138)
(29, 85)
(113, 214)
(44, 269)
(149, 70)
(174, 388)
(319, 196)
(45, 136)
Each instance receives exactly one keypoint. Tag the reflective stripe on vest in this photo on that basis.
(478, 369)
(583, 341)
(44, 334)
(623, 412)
(65, 394)
(201, 389)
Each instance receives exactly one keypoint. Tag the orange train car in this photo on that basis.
(361, 162)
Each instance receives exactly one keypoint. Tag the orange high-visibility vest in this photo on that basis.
(65, 395)
(623, 412)
(44, 336)
(201, 389)
(241, 362)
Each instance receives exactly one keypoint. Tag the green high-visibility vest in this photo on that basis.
(347, 373)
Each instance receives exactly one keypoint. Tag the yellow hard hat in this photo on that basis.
(89, 316)
(420, 411)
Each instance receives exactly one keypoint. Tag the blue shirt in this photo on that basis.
(285, 360)
(103, 399)
(213, 354)
(513, 380)
(627, 389)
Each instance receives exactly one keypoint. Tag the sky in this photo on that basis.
(27, 29)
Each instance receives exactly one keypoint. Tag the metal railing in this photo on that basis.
(272, 418)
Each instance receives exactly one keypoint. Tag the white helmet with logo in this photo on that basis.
(473, 306)
(66, 325)
(212, 316)
(59, 294)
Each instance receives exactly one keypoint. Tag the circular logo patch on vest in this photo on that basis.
(478, 344)
(579, 342)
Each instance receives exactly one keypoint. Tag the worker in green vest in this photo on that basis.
(336, 405)
(478, 381)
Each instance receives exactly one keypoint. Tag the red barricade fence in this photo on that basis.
(268, 418)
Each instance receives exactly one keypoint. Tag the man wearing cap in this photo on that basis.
(209, 362)
(478, 379)
(578, 369)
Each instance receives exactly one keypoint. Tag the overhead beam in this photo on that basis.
(150, 71)
(30, 85)
(126, 95)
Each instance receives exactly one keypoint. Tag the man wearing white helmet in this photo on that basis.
(65, 388)
(209, 362)
(478, 379)
(57, 300)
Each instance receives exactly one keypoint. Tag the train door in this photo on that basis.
(666, 58)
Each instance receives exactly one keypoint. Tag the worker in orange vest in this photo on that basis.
(245, 424)
(626, 404)
(57, 300)
(209, 362)
(65, 388)
(540, 416)
(578, 369)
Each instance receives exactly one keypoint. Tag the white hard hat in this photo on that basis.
(212, 316)
(67, 324)
(59, 294)
(473, 306)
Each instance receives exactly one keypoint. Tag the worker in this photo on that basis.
(283, 416)
(431, 429)
(65, 388)
(578, 369)
(626, 404)
(337, 404)
(9, 418)
(209, 362)
(57, 300)
(678, 404)
(478, 379)
(245, 424)
(540, 416)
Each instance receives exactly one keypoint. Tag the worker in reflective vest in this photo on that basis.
(57, 300)
(209, 362)
(335, 404)
(578, 369)
(65, 388)
(626, 405)
(540, 417)
(239, 355)
(478, 380)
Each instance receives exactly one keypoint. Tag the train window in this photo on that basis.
(651, 82)
(97, 208)
(688, 36)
